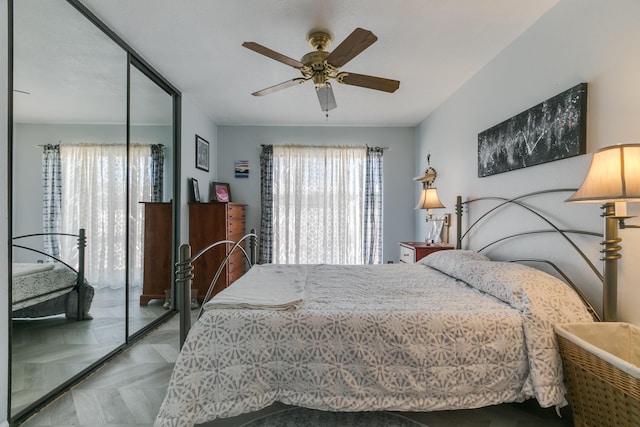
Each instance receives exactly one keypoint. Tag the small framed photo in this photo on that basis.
(220, 192)
(202, 154)
(195, 190)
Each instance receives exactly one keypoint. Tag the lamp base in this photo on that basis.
(610, 256)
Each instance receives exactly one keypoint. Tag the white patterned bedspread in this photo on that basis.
(386, 337)
(35, 283)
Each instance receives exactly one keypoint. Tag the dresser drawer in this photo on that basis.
(407, 254)
(235, 212)
(236, 227)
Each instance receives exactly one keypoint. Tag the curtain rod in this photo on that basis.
(96, 144)
(323, 146)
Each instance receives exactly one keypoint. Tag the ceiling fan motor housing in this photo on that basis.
(316, 67)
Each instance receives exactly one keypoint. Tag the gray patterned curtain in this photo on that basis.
(266, 199)
(372, 250)
(157, 172)
(51, 198)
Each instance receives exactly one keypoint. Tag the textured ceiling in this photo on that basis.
(431, 46)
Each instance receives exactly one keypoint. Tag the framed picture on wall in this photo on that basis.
(195, 191)
(202, 154)
(552, 130)
(220, 192)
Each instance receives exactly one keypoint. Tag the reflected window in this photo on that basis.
(91, 179)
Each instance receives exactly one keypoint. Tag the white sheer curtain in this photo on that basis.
(94, 185)
(318, 202)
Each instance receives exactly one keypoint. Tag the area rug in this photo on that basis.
(295, 417)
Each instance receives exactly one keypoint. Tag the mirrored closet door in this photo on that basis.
(93, 156)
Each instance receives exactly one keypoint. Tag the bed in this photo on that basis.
(454, 331)
(50, 288)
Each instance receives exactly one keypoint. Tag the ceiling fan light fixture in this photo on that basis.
(326, 97)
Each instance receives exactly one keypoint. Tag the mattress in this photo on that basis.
(405, 337)
(38, 282)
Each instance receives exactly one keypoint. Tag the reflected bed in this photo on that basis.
(46, 289)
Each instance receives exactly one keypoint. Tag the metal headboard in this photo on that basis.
(565, 234)
(184, 275)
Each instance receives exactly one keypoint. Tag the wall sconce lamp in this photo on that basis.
(613, 180)
(430, 200)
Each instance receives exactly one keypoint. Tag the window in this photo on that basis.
(323, 205)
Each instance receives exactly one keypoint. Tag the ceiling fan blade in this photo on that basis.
(273, 54)
(326, 98)
(280, 86)
(350, 47)
(370, 82)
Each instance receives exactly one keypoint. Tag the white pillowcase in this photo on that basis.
(449, 261)
(513, 283)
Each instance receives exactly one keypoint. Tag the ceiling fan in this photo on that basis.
(321, 65)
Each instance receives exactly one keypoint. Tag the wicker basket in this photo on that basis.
(601, 370)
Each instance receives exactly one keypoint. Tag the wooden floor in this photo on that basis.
(129, 391)
(46, 352)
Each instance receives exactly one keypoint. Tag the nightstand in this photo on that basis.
(412, 252)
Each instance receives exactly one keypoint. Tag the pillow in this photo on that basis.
(503, 280)
(450, 261)
(507, 281)
(519, 285)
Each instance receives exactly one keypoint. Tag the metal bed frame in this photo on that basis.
(184, 275)
(553, 228)
(184, 267)
(81, 244)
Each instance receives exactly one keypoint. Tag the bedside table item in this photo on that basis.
(412, 252)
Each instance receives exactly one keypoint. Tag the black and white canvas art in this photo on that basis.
(552, 130)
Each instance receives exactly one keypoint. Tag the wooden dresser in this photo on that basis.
(157, 251)
(209, 223)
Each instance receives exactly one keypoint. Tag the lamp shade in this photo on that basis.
(429, 199)
(614, 176)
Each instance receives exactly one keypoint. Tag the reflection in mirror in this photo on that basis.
(151, 149)
(69, 132)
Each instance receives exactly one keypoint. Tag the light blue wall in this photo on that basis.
(577, 41)
(194, 122)
(243, 143)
